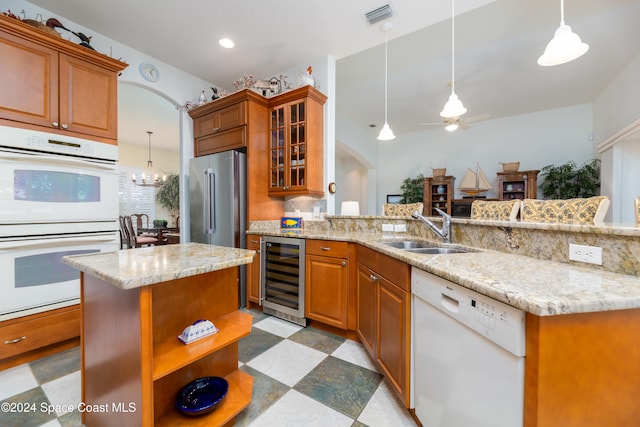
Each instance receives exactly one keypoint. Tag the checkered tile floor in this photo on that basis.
(302, 377)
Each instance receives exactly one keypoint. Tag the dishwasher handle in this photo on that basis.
(449, 303)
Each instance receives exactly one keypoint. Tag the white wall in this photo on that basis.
(617, 130)
(536, 140)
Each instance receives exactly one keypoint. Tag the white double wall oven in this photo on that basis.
(58, 196)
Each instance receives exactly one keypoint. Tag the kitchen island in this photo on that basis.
(134, 304)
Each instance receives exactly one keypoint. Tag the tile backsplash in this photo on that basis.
(309, 208)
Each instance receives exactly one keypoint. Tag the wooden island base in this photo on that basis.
(133, 364)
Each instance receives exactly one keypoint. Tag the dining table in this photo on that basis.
(160, 233)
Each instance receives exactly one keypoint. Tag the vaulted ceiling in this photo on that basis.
(497, 44)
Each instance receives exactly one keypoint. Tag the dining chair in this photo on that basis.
(137, 241)
(124, 234)
(141, 220)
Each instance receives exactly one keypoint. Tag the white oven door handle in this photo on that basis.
(57, 242)
(61, 160)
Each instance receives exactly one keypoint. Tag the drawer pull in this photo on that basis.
(15, 341)
(325, 248)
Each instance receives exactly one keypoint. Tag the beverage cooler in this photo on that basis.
(282, 270)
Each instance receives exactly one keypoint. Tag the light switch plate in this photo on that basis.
(583, 253)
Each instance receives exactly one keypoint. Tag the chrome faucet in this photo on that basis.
(445, 232)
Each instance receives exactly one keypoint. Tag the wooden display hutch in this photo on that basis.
(518, 185)
(438, 193)
(133, 358)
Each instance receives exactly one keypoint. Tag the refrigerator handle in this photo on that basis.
(209, 197)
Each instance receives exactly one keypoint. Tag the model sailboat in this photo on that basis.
(475, 183)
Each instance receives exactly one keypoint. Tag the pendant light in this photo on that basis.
(149, 178)
(386, 134)
(453, 108)
(565, 45)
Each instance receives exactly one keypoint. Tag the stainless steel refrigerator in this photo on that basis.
(218, 203)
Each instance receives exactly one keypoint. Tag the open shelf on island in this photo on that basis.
(171, 354)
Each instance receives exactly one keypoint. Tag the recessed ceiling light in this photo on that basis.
(228, 43)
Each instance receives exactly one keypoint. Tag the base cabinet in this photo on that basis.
(327, 282)
(131, 353)
(582, 370)
(26, 338)
(384, 315)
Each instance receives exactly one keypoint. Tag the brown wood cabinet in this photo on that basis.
(253, 272)
(437, 193)
(384, 315)
(296, 143)
(518, 185)
(29, 337)
(327, 282)
(54, 85)
(240, 121)
(131, 353)
(582, 370)
(224, 124)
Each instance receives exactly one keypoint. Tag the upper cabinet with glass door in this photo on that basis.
(296, 143)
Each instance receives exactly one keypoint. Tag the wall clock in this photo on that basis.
(149, 72)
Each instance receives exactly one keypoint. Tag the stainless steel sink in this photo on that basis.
(439, 250)
(419, 247)
(409, 244)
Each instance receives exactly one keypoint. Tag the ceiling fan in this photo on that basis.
(454, 123)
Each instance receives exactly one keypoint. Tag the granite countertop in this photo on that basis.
(537, 286)
(133, 268)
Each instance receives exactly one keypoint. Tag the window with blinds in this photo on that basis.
(132, 198)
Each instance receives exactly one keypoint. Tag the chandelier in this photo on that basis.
(149, 178)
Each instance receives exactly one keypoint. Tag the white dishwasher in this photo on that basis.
(467, 356)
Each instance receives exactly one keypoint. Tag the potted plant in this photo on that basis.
(567, 181)
(168, 196)
(412, 189)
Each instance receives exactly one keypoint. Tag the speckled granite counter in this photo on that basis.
(133, 268)
(537, 286)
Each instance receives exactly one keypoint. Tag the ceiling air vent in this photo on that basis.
(379, 14)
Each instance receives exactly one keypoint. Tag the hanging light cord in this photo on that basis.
(149, 162)
(386, 30)
(453, 44)
(561, 12)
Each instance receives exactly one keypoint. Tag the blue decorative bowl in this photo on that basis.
(202, 396)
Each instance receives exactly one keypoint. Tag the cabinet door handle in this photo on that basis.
(344, 263)
(15, 341)
(325, 248)
(64, 126)
(216, 129)
(55, 124)
(373, 278)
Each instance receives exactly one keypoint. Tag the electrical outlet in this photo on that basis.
(588, 254)
(400, 228)
(387, 227)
